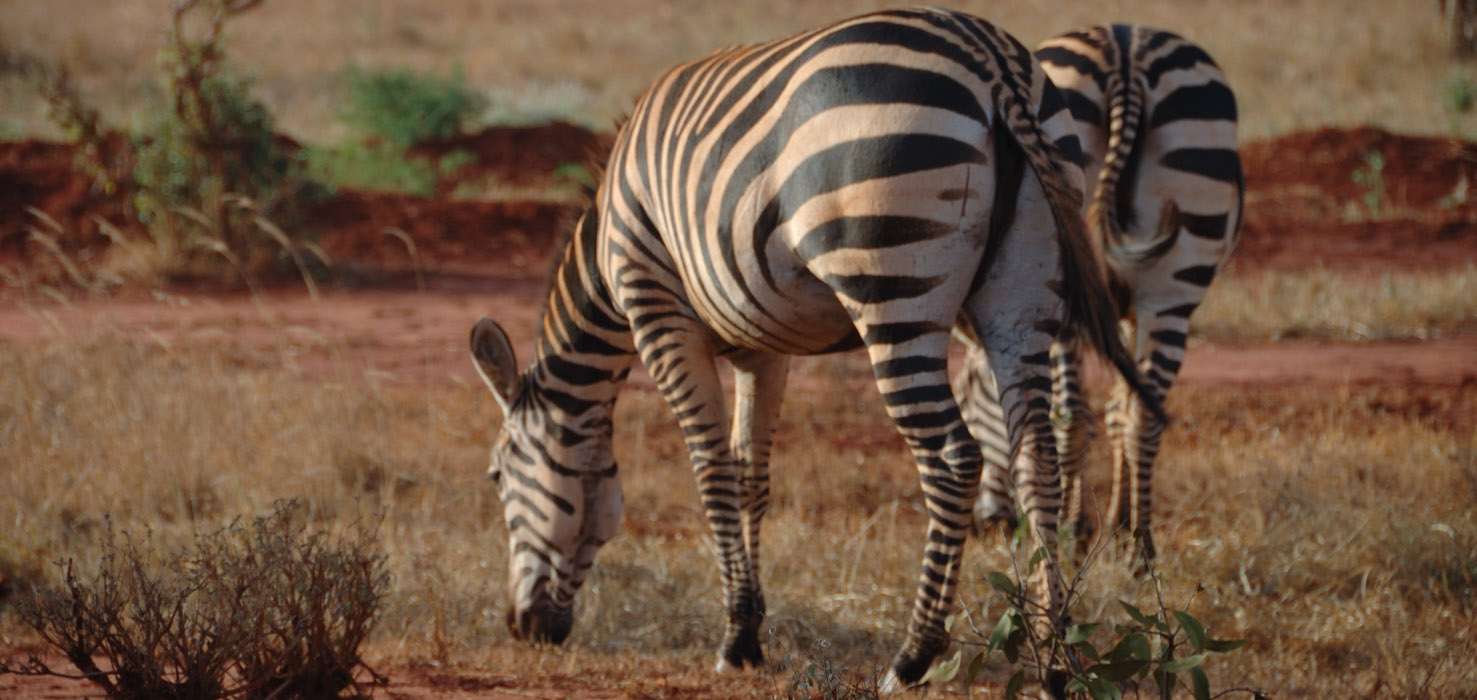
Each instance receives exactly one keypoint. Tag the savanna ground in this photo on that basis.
(1315, 493)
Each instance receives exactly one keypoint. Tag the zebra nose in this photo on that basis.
(542, 623)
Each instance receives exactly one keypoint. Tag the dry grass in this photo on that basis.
(1321, 303)
(1294, 65)
(1333, 529)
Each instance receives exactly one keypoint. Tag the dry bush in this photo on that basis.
(1320, 303)
(1331, 527)
(273, 608)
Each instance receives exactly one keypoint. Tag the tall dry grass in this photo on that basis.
(1331, 528)
(1321, 303)
(1293, 64)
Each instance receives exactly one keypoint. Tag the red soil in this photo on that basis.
(522, 154)
(1304, 208)
(45, 176)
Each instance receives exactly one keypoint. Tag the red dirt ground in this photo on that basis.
(489, 258)
(1303, 206)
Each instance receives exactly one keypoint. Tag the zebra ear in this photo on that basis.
(492, 355)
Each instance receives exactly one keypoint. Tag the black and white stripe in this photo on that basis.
(1158, 127)
(862, 185)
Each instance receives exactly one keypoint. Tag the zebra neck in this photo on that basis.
(585, 348)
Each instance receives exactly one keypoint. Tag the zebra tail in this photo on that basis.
(1111, 208)
(1090, 310)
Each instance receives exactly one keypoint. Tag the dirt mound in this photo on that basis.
(522, 155)
(1304, 206)
(1419, 172)
(356, 226)
(45, 175)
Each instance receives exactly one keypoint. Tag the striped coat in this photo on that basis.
(861, 186)
(1157, 122)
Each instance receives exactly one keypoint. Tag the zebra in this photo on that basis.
(862, 185)
(1158, 126)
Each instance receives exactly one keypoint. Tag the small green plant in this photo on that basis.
(1460, 94)
(271, 608)
(405, 108)
(1165, 647)
(1371, 178)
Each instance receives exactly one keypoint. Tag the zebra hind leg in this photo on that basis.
(980, 405)
(759, 387)
(1071, 422)
(1162, 350)
(909, 360)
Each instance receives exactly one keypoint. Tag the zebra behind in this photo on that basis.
(862, 185)
(1157, 122)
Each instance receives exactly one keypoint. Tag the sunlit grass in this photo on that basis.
(1324, 304)
(1331, 528)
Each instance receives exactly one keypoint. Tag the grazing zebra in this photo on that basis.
(865, 184)
(1158, 128)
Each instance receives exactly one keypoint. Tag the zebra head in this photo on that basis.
(555, 475)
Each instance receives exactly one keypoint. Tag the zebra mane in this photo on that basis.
(595, 162)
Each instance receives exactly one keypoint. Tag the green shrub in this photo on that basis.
(221, 141)
(381, 166)
(405, 108)
(213, 178)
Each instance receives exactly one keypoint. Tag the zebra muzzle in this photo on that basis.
(541, 623)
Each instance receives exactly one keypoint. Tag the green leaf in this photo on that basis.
(1138, 615)
(1193, 629)
(944, 671)
(1118, 670)
(1036, 557)
(1013, 646)
(1003, 583)
(1183, 664)
(1101, 689)
(1013, 686)
(1080, 633)
(1132, 646)
(1002, 631)
(976, 666)
(1223, 645)
(1199, 684)
(1087, 650)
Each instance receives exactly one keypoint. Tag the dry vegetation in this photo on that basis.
(1333, 530)
(1322, 303)
(1294, 64)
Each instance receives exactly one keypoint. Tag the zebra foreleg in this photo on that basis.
(678, 354)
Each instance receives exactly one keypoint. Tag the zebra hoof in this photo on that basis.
(908, 669)
(890, 685)
(740, 650)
